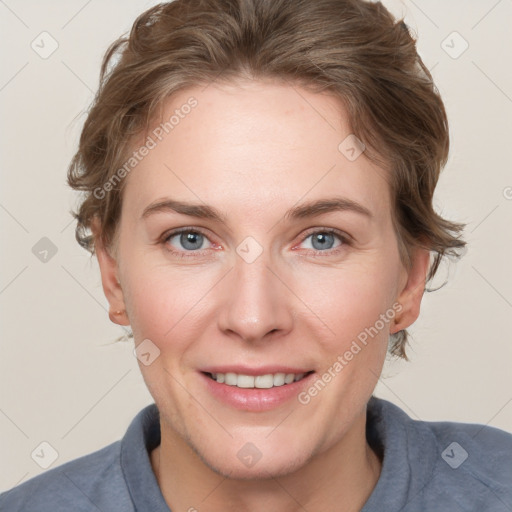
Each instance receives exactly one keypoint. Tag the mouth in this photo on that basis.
(264, 381)
(255, 389)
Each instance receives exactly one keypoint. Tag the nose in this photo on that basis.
(257, 303)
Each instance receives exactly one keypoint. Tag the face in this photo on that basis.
(229, 269)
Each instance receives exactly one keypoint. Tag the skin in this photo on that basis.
(253, 150)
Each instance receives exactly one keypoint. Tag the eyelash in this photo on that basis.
(345, 241)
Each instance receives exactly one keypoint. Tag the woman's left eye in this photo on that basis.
(323, 241)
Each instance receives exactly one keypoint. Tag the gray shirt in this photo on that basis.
(427, 467)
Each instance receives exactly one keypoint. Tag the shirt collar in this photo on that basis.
(142, 436)
(408, 450)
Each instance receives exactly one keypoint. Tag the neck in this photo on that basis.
(340, 478)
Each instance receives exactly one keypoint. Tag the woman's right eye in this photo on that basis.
(184, 241)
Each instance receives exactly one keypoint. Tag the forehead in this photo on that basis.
(252, 146)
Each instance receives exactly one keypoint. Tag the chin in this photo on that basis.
(250, 463)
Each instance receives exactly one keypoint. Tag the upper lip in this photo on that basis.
(262, 370)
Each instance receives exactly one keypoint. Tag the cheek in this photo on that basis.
(163, 302)
(349, 303)
(350, 297)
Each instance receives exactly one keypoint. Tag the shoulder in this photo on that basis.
(466, 466)
(482, 452)
(474, 465)
(91, 482)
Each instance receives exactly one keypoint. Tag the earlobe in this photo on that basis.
(412, 292)
(118, 317)
(110, 279)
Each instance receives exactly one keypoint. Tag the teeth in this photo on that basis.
(245, 381)
(279, 379)
(289, 378)
(230, 379)
(260, 381)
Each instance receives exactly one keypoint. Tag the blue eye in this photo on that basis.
(188, 239)
(323, 240)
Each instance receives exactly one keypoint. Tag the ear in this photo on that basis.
(412, 291)
(109, 278)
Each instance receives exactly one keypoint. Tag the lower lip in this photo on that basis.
(255, 399)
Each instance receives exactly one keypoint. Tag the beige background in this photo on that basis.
(64, 382)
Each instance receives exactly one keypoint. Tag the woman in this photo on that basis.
(258, 180)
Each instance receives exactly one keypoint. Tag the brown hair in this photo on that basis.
(353, 49)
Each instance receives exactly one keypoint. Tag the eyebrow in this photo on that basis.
(305, 210)
(334, 204)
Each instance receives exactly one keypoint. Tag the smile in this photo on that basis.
(266, 381)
